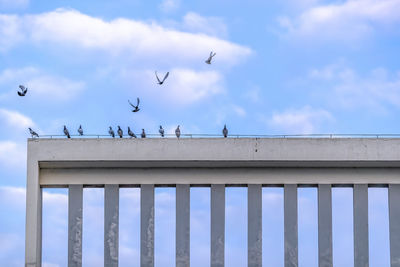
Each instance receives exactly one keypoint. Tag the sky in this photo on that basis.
(281, 67)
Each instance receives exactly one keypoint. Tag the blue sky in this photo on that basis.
(282, 67)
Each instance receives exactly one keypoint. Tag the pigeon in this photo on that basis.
(135, 108)
(161, 131)
(225, 131)
(80, 131)
(111, 132)
(165, 77)
(66, 132)
(178, 132)
(208, 61)
(120, 132)
(23, 91)
(130, 133)
(33, 133)
(143, 135)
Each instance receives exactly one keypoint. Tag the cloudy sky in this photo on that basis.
(282, 67)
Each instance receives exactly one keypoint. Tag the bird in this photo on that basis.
(80, 131)
(158, 79)
(225, 131)
(111, 132)
(33, 133)
(66, 132)
(208, 61)
(143, 135)
(23, 91)
(178, 132)
(130, 133)
(161, 131)
(135, 108)
(120, 132)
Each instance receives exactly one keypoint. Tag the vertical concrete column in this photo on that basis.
(254, 224)
(182, 225)
(290, 225)
(111, 224)
(360, 220)
(325, 225)
(33, 226)
(75, 204)
(147, 225)
(217, 225)
(394, 224)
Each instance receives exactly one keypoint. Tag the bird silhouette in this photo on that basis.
(66, 132)
(135, 108)
(130, 133)
(120, 132)
(161, 131)
(111, 132)
(225, 131)
(23, 91)
(158, 79)
(208, 61)
(143, 135)
(178, 132)
(80, 131)
(33, 133)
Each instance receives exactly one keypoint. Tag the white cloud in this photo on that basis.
(213, 26)
(345, 20)
(305, 120)
(169, 5)
(12, 153)
(10, 31)
(15, 120)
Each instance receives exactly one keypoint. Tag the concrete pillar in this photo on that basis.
(75, 205)
(217, 225)
(360, 220)
(290, 225)
(182, 225)
(325, 225)
(394, 224)
(254, 225)
(111, 225)
(147, 225)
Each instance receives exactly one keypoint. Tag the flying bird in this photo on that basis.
(23, 91)
(225, 131)
(66, 132)
(80, 131)
(208, 61)
(178, 132)
(111, 132)
(120, 132)
(33, 133)
(130, 133)
(161, 131)
(135, 108)
(143, 135)
(158, 79)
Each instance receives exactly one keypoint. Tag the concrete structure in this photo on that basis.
(249, 162)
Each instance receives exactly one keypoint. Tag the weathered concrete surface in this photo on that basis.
(360, 221)
(325, 257)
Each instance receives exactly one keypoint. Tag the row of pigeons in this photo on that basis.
(120, 132)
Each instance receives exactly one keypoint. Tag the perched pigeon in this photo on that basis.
(80, 131)
(161, 131)
(33, 133)
(225, 131)
(143, 135)
(130, 133)
(111, 132)
(158, 79)
(135, 108)
(66, 132)
(120, 132)
(178, 132)
(208, 61)
(23, 91)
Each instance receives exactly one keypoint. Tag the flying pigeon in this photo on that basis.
(178, 132)
(135, 108)
(208, 61)
(33, 133)
(111, 132)
(161, 131)
(120, 132)
(225, 131)
(130, 133)
(158, 79)
(143, 135)
(23, 91)
(80, 131)
(66, 132)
